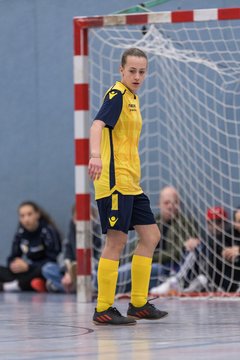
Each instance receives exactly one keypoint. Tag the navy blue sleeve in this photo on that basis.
(52, 243)
(111, 108)
(69, 250)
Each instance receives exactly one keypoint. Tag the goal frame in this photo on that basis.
(81, 25)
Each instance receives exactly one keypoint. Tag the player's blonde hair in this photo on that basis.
(132, 52)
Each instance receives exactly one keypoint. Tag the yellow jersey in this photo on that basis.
(121, 169)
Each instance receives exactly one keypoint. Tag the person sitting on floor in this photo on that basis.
(179, 236)
(61, 278)
(212, 266)
(36, 242)
(231, 254)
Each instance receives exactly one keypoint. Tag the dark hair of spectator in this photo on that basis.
(44, 216)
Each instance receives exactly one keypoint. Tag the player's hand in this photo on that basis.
(191, 244)
(95, 168)
(18, 266)
(230, 253)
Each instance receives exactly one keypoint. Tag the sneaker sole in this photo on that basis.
(146, 318)
(105, 324)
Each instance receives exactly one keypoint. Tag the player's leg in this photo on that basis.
(105, 314)
(140, 308)
(149, 236)
(108, 268)
(113, 221)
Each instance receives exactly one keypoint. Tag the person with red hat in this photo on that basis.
(231, 253)
(217, 270)
(206, 267)
(216, 213)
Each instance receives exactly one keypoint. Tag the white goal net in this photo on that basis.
(190, 105)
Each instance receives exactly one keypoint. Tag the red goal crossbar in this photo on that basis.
(81, 115)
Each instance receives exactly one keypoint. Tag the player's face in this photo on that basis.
(237, 221)
(134, 72)
(28, 217)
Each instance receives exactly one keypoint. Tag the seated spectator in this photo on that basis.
(220, 273)
(206, 265)
(62, 278)
(36, 242)
(218, 235)
(178, 235)
(231, 254)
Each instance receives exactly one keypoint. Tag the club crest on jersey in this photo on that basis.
(112, 94)
(112, 221)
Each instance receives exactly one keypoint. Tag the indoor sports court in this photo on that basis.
(59, 64)
(39, 326)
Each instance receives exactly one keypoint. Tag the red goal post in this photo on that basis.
(82, 120)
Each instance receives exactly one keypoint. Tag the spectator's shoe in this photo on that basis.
(197, 285)
(51, 287)
(11, 286)
(169, 287)
(147, 311)
(112, 316)
(162, 289)
(38, 285)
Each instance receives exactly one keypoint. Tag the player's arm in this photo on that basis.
(108, 116)
(16, 252)
(95, 162)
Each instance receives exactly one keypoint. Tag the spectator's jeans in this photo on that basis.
(51, 271)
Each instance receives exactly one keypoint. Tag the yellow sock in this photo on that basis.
(107, 281)
(141, 271)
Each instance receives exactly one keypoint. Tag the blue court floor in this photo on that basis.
(46, 326)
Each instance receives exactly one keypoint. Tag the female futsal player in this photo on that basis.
(115, 168)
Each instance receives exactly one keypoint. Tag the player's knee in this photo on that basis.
(155, 237)
(115, 243)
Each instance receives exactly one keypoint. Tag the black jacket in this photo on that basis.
(36, 247)
(69, 251)
(223, 273)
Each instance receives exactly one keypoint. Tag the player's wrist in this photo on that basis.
(95, 156)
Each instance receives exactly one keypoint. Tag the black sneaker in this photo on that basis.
(147, 311)
(112, 316)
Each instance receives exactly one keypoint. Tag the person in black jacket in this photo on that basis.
(62, 278)
(210, 266)
(36, 242)
(231, 254)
